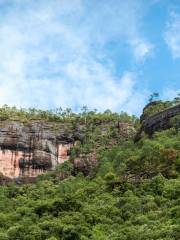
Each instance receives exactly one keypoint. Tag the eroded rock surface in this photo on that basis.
(157, 122)
(31, 149)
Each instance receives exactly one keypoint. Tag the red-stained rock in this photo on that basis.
(27, 150)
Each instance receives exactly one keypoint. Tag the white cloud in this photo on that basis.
(142, 49)
(172, 34)
(170, 93)
(53, 53)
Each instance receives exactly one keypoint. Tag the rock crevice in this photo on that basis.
(28, 150)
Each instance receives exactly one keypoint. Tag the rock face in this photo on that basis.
(158, 121)
(31, 149)
(144, 116)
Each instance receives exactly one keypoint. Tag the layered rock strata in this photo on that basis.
(31, 149)
(158, 121)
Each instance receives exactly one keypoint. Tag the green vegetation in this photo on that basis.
(154, 96)
(158, 106)
(133, 193)
(60, 115)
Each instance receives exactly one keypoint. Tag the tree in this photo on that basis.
(177, 99)
(84, 110)
(110, 179)
(154, 96)
(175, 121)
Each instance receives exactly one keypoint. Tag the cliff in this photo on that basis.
(31, 149)
(157, 122)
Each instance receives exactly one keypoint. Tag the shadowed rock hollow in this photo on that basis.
(31, 149)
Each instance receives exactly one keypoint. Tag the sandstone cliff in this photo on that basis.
(30, 149)
(158, 121)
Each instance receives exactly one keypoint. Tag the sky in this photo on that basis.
(103, 54)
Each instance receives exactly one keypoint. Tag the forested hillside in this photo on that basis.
(131, 192)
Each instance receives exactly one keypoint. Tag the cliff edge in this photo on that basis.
(33, 148)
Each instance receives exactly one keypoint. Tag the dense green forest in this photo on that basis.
(133, 192)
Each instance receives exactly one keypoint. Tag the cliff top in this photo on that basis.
(60, 115)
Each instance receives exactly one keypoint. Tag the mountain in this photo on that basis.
(33, 141)
(29, 149)
(98, 181)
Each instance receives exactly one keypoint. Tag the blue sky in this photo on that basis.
(106, 54)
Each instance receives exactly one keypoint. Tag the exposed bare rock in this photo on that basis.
(31, 149)
(158, 121)
(144, 115)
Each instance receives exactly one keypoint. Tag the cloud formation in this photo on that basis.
(170, 93)
(172, 34)
(54, 53)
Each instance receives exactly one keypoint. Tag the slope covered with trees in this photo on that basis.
(132, 193)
